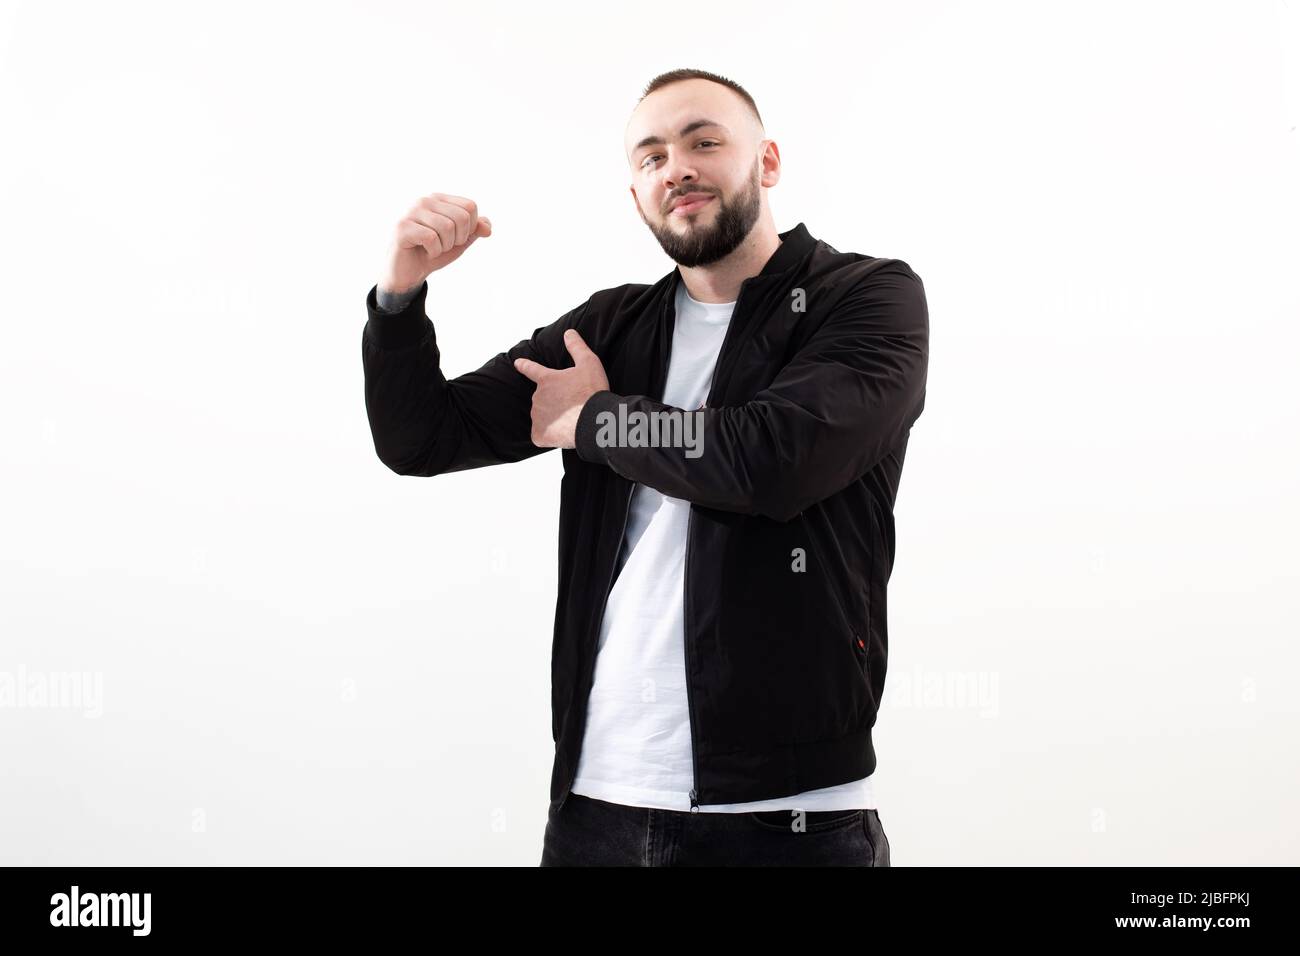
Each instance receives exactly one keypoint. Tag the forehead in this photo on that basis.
(666, 112)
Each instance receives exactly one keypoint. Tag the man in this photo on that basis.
(732, 437)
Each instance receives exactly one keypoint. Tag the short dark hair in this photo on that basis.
(676, 76)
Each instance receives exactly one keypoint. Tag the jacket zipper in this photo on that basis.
(690, 700)
(726, 337)
(609, 585)
(690, 528)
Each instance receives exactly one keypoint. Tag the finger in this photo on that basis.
(444, 228)
(459, 209)
(412, 233)
(533, 370)
(453, 216)
(579, 349)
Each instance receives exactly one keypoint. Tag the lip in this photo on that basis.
(690, 203)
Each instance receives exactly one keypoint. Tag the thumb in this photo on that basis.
(579, 349)
(482, 229)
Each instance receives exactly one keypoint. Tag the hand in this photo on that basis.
(561, 392)
(433, 234)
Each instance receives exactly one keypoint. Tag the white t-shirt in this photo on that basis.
(636, 749)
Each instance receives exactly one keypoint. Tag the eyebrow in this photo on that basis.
(686, 131)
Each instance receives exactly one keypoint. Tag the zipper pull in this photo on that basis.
(695, 804)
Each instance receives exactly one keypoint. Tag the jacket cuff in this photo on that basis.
(398, 330)
(585, 434)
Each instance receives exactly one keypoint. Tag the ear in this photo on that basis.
(771, 163)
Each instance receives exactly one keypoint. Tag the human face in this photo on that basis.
(695, 137)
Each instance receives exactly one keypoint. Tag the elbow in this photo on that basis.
(398, 468)
(402, 461)
(396, 465)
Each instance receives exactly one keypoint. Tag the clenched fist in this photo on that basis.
(434, 233)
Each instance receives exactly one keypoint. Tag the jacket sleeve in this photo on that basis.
(424, 424)
(845, 400)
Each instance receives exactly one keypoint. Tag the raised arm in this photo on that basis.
(423, 423)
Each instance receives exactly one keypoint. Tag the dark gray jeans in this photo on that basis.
(591, 832)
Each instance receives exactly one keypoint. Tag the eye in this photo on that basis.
(707, 142)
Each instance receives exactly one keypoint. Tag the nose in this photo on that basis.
(678, 173)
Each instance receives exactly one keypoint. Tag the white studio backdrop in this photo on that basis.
(296, 656)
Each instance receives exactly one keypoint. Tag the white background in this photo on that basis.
(308, 659)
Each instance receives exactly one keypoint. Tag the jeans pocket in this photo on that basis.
(876, 837)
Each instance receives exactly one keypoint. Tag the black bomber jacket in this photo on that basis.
(820, 376)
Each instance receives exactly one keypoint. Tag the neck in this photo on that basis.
(720, 281)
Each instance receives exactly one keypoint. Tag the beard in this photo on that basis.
(700, 243)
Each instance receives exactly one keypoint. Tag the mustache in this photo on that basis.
(687, 192)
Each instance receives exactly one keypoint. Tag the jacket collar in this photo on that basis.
(795, 244)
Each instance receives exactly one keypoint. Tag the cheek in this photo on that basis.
(644, 200)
